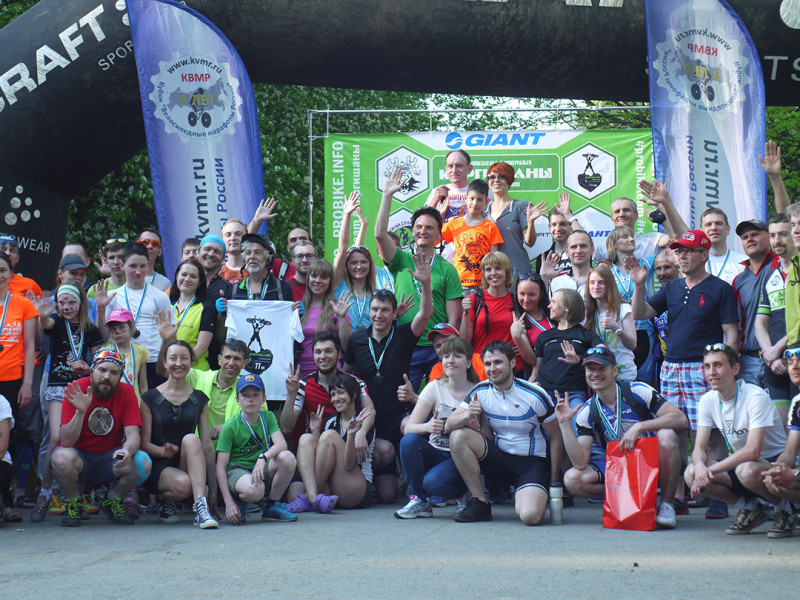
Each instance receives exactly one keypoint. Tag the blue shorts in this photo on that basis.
(98, 467)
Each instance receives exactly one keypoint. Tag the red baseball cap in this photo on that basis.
(444, 329)
(694, 238)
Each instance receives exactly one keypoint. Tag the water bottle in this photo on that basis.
(556, 503)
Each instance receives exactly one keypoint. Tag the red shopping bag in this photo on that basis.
(631, 486)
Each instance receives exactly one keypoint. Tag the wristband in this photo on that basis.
(618, 330)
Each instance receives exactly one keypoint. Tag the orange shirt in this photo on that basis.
(472, 243)
(20, 286)
(477, 364)
(12, 357)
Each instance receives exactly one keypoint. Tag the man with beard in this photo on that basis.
(260, 284)
(210, 255)
(303, 254)
(100, 424)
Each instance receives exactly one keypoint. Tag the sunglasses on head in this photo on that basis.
(121, 240)
(530, 276)
(382, 293)
(357, 249)
(597, 350)
(791, 353)
(718, 347)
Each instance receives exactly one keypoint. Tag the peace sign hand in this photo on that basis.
(315, 419)
(293, 380)
(356, 422)
(518, 327)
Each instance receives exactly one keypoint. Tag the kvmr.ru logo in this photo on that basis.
(455, 140)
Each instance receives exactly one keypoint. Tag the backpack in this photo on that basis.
(644, 414)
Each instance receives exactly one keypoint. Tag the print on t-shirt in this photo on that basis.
(100, 421)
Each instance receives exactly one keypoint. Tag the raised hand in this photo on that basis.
(570, 356)
(79, 399)
(293, 380)
(549, 264)
(362, 218)
(167, 329)
(422, 270)
(475, 409)
(564, 413)
(102, 295)
(266, 210)
(655, 192)
(405, 304)
(609, 323)
(563, 205)
(315, 419)
(518, 327)
(534, 211)
(637, 272)
(352, 203)
(771, 161)
(42, 304)
(341, 306)
(394, 182)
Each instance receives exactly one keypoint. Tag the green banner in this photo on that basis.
(596, 167)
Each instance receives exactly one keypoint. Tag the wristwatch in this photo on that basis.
(797, 475)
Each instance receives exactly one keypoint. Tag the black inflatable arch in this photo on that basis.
(69, 100)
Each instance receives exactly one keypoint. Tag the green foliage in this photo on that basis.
(11, 9)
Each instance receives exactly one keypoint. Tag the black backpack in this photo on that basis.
(644, 414)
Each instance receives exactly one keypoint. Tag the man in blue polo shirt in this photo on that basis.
(748, 285)
(702, 310)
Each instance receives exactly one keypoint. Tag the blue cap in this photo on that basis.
(212, 239)
(248, 380)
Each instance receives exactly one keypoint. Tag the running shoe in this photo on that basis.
(89, 506)
(276, 511)
(681, 506)
(416, 507)
(114, 509)
(474, 511)
(73, 509)
(716, 510)
(40, 510)
(56, 505)
(666, 516)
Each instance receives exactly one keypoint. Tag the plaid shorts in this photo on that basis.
(682, 384)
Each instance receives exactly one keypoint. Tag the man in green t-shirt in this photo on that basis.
(426, 227)
(252, 457)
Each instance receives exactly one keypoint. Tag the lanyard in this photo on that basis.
(250, 295)
(537, 325)
(613, 432)
(379, 362)
(722, 416)
(600, 331)
(76, 352)
(185, 311)
(361, 308)
(625, 288)
(253, 433)
(141, 302)
(153, 278)
(133, 364)
(722, 268)
(5, 311)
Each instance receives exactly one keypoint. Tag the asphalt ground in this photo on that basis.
(370, 554)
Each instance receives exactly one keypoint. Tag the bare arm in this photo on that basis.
(771, 163)
(344, 238)
(422, 273)
(386, 246)
(639, 306)
(264, 212)
(731, 331)
(466, 329)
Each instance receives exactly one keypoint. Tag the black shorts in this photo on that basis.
(388, 428)
(738, 488)
(519, 471)
(159, 464)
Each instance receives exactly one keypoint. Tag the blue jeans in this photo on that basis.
(422, 362)
(429, 469)
(752, 370)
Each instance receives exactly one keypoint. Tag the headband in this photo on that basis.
(70, 290)
(108, 355)
(212, 239)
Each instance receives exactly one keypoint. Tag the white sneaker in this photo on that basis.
(666, 516)
(461, 501)
(417, 507)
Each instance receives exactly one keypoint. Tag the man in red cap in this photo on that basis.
(702, 311)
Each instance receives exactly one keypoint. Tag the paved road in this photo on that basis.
(369, 554)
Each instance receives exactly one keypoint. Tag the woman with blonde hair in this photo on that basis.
(611, 319)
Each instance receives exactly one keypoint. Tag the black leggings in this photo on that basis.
(6, 471)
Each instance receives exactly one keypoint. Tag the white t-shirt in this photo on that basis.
(158, 281)
(751, 408)
(437, 396)
(627, 366)
(269, 328)
(727, 266)
(144, 305)
(566, 281)
(646, 245)
(5, 413)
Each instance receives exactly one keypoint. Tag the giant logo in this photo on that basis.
(196, 97)
(455, 140)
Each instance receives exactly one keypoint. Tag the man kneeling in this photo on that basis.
(754, 437)
(516, 422)
(624, 412)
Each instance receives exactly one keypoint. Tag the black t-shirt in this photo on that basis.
(556, 374)
(215, 286)
(241, 291)
(61, 357)
(171, 423)
(396, 363)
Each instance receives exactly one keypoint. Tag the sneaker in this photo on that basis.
(325, 504)
(681, 506)
(73, 509)
(300, 504)
(417, 507)
(783, 527)
(56, 505)
(131, 508)
(168, 512)
(474, 511)
(89, 506)
(716, 510)
(461, 502)
(276, 511)
(202, 518)
(438, 501)
(114, 509)
(40, 510)
(746, 520)
(699, 502)
(666, 516)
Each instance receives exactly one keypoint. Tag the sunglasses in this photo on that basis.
(382, 294)
(598, 350)
(440, 326)
(149, 243)
(530, 276)
(495, 177)
(363, 249)
(120, 240)
(718, 347)
(791, 353)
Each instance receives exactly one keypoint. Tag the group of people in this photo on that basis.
(461, 367)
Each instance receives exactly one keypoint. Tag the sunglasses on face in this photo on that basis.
(149, 243)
